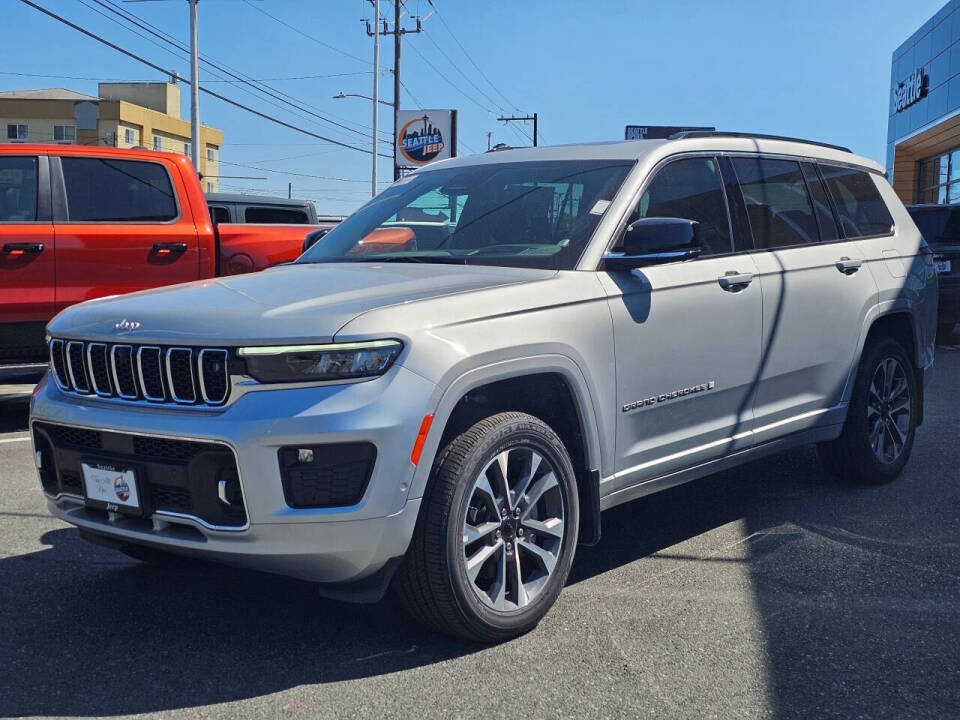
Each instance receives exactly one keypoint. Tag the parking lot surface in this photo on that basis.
(767, 591)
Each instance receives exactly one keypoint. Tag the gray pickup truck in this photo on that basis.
(447, 391)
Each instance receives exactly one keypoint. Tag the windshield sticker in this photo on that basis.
(599, 207)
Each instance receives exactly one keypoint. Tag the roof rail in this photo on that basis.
(755, 136)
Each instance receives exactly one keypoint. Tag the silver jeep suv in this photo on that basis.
(448, 389)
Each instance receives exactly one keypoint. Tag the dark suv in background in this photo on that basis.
(940, 227)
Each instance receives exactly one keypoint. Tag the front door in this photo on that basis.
(124, 230)
(26, 258)
(687, 337)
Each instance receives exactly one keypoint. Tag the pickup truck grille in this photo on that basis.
(172, 375)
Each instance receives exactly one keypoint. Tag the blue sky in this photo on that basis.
(809, 68)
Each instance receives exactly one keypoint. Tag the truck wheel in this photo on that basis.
(497, 532)
(881, 422)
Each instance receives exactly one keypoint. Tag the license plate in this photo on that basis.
(943, 266)
(112, 485)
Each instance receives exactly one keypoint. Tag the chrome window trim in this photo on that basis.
(170, 386)
(91, 374)
(53, 365)
(226, 372)
(193, 519)
(73, 380)
(116, 378)
(143, 385)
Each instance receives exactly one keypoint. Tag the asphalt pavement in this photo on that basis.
(768, 591)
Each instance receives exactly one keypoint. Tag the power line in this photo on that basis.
(450, 82)
(168, 73)
(279, 95)
(463, 74)
(307, 35)
(470, 57)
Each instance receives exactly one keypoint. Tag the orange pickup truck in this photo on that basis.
(78, 223)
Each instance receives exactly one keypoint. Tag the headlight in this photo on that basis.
(306, 363)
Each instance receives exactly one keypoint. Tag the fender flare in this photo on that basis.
(504, 370)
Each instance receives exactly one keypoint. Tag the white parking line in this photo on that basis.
(25, 438)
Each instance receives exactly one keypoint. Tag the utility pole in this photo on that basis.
(376, 90)
(489, 140)
(528, 117)
(289, 191)
(398, 32)
(194, 87)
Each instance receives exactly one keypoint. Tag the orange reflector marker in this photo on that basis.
(421, 439)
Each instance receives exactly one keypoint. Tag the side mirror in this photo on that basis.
(314, 237)
(655, 240)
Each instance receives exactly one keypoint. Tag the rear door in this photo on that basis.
(123, 228)
(815, 294)
(26, 257)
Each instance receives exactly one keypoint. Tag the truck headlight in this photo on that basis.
(306, 363)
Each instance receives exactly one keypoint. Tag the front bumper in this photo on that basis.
(327, 545)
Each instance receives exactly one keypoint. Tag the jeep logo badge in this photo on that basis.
(126, 325)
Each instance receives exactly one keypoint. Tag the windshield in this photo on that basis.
(532, 214)
(938, 225)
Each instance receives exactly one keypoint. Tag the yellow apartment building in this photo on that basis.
(124, 115)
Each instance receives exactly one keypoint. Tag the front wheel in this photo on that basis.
(881, 422)
(495, 539)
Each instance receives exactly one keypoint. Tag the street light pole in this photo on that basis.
(194, 87)
(376, 88)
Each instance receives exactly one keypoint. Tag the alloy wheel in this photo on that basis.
(513, 528)
(888, 410)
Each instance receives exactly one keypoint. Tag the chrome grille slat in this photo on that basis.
(96, 354)
(127, 372)
(76, 367)
(182, 390)
(58, 360)
(209, 394)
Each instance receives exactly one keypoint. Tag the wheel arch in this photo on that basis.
(527, 385)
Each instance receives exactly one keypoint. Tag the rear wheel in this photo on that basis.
(496, 536)
(879, 432)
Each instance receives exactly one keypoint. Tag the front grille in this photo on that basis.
(173, 476)
(184, 376)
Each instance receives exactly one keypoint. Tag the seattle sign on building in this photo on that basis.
(911, 90)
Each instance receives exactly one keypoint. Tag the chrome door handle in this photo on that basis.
(848, 266)
(732, 281)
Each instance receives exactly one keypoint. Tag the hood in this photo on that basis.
(288, 303)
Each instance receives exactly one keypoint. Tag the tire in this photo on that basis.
(510, 584)
(855, 456)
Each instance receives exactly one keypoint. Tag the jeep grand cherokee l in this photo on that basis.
(530, 337)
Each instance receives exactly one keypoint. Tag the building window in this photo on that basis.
(65, 133)
(186, 148)
(939, 179)
(129, 136)
(16, 132)
(209, 187)
(210, 155)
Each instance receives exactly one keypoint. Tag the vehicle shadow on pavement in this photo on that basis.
(86, 631)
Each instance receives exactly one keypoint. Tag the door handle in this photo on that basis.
(848, 266)
(163, 249)
(21, 248)
(732, 281)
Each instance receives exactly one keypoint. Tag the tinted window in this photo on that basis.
(939, 225)
(274, 215)
(690, 189)
(18, 189)
(219, 214)
(103, 189)
(821, 205)
(777, 202)
(524, 214)
(861, 209)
